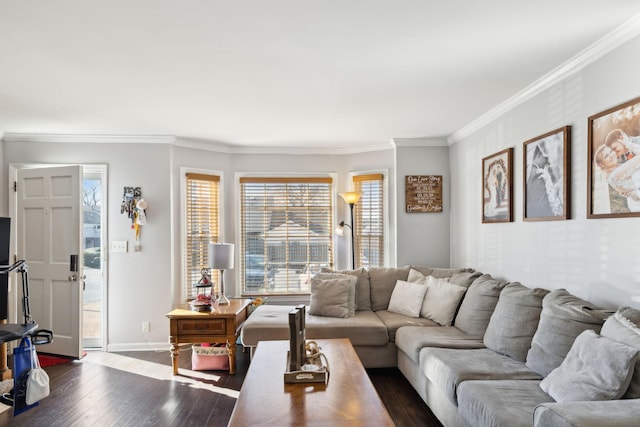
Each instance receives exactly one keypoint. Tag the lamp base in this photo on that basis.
(223, 300)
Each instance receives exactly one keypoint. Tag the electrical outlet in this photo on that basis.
(121, 246)
(137, 247)
(146, 326)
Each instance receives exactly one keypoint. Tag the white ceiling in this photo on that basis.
(281, 73)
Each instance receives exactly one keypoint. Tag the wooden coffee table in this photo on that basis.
(349, 397)
(220, 325)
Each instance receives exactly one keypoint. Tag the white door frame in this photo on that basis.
(12, 298)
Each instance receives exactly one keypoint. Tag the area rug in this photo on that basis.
(49, 360)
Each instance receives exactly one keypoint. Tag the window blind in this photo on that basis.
(286, 232)
(202, 227)
(369, 220)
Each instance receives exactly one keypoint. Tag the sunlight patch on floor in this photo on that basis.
(158, 371)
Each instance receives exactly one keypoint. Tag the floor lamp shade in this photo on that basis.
(221, 257)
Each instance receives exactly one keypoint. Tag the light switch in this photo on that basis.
(119, 246)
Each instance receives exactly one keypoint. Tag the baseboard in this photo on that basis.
(144, 346)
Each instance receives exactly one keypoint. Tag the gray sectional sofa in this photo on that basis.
(509, 356)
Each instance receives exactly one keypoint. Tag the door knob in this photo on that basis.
(73, 278)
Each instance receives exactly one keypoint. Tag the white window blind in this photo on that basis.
(202, 227)
(369, 220)
(286, 233)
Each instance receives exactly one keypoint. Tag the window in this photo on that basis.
(369, 220)
(202, 227)
(286, 233)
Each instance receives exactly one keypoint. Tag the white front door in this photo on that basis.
(48, 235)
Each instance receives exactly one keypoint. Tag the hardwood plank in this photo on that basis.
(137, 389)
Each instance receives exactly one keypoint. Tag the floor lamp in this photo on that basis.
(221, 258)
(351, 198)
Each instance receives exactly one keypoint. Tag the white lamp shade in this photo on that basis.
(221, 256)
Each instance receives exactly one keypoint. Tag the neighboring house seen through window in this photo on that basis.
(286, 233)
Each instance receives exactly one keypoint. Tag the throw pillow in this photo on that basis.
(416, 277)
(464, 278)
(407, 298)
(329, 298)
(624, 327)
(363, 293)
(514, 321)
(441, 301)
(596, 368)
(562, 319)
(383, 280)
(345, 280)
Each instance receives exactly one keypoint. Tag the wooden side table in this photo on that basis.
(221, 325)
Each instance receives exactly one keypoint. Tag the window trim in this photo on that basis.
(385, 207)
(180, 295)
(278, 177)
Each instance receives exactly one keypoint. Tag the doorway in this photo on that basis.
(93, 213)
(93, 189)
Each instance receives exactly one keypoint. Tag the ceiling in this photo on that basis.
(281, 73)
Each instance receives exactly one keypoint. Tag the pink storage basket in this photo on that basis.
(209, 357)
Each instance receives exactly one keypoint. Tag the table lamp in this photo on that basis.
(221, 258)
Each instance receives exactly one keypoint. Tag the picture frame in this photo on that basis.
(497, 187)
(546, 176)
(613, 183)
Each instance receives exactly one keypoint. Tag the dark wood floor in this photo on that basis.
(137, 389)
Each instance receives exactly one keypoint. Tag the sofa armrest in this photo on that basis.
(612, 413)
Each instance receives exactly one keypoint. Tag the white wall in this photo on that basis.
(143, 286)
(423, 238)
(596, 259)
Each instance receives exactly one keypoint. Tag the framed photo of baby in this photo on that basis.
(497, 187)
(546, 176)
(613, 187)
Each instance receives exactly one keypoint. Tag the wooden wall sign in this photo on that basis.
(423, 193)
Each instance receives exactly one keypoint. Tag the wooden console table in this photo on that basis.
(220, 325)
(348, 398)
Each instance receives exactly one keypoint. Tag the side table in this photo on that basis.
(220, 325)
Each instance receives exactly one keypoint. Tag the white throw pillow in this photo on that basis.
(441, 300)
(407, 298)
(596, 368)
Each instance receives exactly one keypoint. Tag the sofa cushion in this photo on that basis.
(330, 297)
(515, 320)
(440, 273)
(446, 368)
(562, 319)
(508, 403)
(393, 321)
(596, 368)
(345, 280)
(382, 281)
(407, 298)
(412, 339)
(623, 412)
(271, 322)
(624, 327)
(363, 294)
(478, 304)
(441, 300)
(464, 278)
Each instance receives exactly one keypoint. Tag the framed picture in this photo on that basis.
(546, 176)
(613, 186)
(497, 185)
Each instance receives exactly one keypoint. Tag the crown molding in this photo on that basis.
(254, 149)
(612, 40)
(420, 142)
(88, 139)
